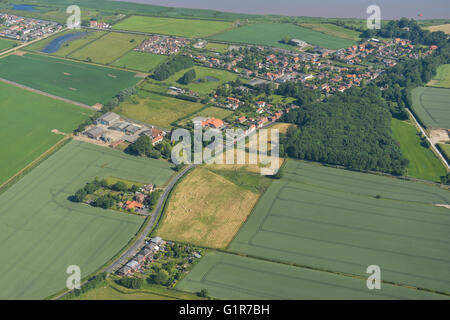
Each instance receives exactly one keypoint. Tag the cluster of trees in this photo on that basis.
(407, 75)
(170, 67)
(93, 283)
(407, 29)
(144, 147)
(152, 199)
(105, 201)
(89, 188)
(299, 92)
(188, 77)
(131, 283)
(446, 179)
(351, 129)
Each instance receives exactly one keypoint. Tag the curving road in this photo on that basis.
(139, 243)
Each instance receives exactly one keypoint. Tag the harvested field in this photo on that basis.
(206, 209)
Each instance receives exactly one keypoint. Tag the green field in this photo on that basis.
(270, 34)
(442, 78)
(432, 106)
(140, 61)
(209, 112)
(6, 44)
(229, 276)
(202, 87)
(173, 26)
(156, 109)
(27, 120)
(42, 232)
(217, 47)
(423, 163)
(108, 48)
(344, 221)
(69, 46)
(334, 30)
(81, 82)
(446, 148)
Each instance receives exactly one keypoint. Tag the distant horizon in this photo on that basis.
(390, 9)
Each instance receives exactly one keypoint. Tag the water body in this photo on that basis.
(390, 9)
(57, 43)
(23, 7)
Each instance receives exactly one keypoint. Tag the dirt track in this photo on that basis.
(48, 94)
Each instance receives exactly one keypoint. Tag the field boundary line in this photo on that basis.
(85, 45)
(433, 147)
(338, 273)
(43, 93)
(33, 164)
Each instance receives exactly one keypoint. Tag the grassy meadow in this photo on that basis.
(214, 112)
(442, 78)
(333, 30)
(203, 83)
(108, 48)
(156, 109)
(139, 61)
(423, 163)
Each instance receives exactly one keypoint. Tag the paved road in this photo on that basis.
(130, 252)
(438, 153)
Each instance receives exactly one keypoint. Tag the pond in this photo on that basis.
(57, 43)
(23, 7)
(207, 79)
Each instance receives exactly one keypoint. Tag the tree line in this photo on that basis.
(172, 66)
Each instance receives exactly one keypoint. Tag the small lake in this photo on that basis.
(23, 7)
(57, 43)
(206, 79)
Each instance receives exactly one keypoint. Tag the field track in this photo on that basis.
(48, 94)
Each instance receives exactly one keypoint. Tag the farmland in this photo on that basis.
(442, 78)
(23, 141)
(108, 48)
(423, 163)
(446, 148)
(44, 232)
(442, 27)
(6, 44)
(229, 276)
(156, 109)
(197, 214)
(431, 106)
(333, 30)
(217, 47)
(172, 26)
(81, 82)
(68, 46)
(218, 113)
(207, 79)
(139, 61)
(271, 34)
(344, 221)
